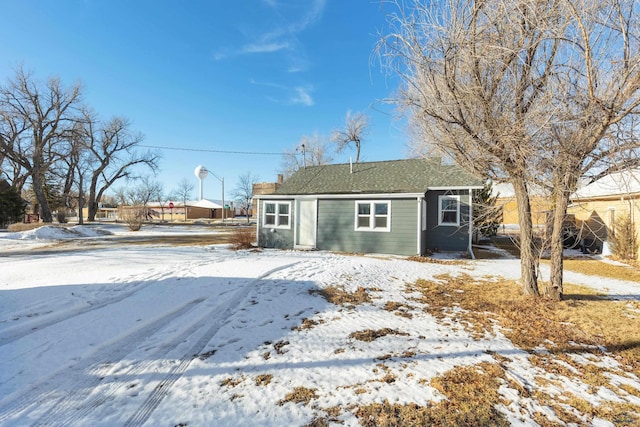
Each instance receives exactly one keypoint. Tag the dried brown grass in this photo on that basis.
(263, 379)
(430, 260)
(338, 296)
(471, 394)
(19, 226)
(399, 309)
(231, 381)
(585, 323)
(302, 395)
(581, 322)
(603, 269)
(307, 324)
(369, 335)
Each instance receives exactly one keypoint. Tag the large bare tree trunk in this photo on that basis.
(38, 184)
(555, 290)
(564, 185)
(92, 204)
(528, 248)
(80, 199)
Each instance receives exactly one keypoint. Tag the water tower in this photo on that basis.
(201, 172)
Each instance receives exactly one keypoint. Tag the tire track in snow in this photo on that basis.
(76, 410)
(162, 388)
(69, 410)
(48, 390)
(15, 333)
(21, 331)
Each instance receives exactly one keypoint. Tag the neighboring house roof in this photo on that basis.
(393, 176)
(503, 190)
(204, 203)
(616, 184)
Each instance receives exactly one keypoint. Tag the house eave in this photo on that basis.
(340, 196)
(458, 187)
(604, 198)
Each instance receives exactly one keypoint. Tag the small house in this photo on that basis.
(403, 207)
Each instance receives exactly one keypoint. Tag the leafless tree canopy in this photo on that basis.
(48, 136)
(526, 91)
(356, 125)
(134, 201)
(184, 190)
(243, 192)
(113, 152)
(34, 118)
(310, 151)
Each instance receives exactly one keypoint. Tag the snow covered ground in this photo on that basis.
(202, 335)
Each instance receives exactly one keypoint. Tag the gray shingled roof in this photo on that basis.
(394, 176)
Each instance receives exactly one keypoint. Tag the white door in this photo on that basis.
(307, 223)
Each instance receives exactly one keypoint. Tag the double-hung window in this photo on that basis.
(373, 216)
(449, 210)
(277, 214)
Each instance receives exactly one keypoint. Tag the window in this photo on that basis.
(449, 210)
(373, 216)
(277, 214)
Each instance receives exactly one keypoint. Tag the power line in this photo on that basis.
(202, 150)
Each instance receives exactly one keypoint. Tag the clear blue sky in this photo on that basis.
(248, 75)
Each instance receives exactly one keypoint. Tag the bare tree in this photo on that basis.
(10, 170)
(162, 199)
(184, 191)
(34, 117)
(243, 193)
(355, 128)
(78, 165)
(134, 201)
(114, 155)
(469, 94)
(310, 151)
(522, 91)
(593, 126)
(71, 169)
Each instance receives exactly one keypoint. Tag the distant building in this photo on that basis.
(506, 199)
(262, 188)
(194, 210)
(597, 205)
(267, 187)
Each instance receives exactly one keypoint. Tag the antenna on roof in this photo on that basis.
(304, 157)
(350, 165)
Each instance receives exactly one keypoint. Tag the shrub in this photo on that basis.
(61, 216)
(242, 238)
(11, 206)
(134, 217)
(19, 226)
(487, 216)
(623, 240)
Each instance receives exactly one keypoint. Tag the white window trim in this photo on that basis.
(277, 216)
(449, 224)
(372, 216)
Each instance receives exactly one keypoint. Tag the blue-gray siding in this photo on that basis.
(279, 238)
(336, 231)
(335, 227)
(446, 238)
